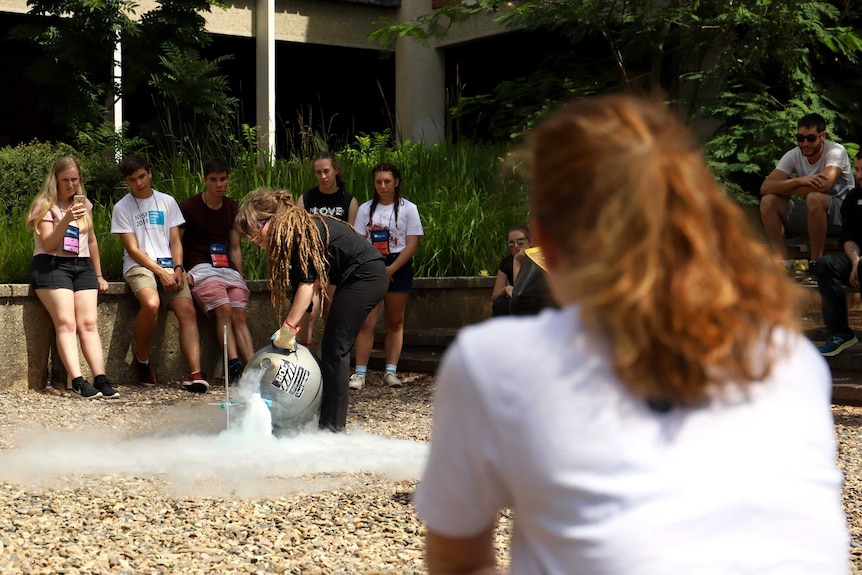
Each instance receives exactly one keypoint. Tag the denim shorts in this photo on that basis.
(55, 272)
(402, 280)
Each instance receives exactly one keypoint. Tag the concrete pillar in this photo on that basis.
(118, 102)
(420, 92)
(264, 35)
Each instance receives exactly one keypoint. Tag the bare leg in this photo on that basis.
(396, 304)
(365, 339)
(60, 304)
(145, 322)
(241, 333)
(818, 205)
(190, 343)
(88, 333)
(224, 317)
(772, 209)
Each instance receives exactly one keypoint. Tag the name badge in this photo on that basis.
(165, 262)
(218, 256)
(70, 240)
(380, 240)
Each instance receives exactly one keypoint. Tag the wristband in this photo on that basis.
(293, 327)
(98, 276)
(179, 266)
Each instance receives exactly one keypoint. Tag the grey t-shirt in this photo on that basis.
(834, 154)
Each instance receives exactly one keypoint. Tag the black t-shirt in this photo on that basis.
(336, 205)
(507, 266)
(347, 251)
(851, 217)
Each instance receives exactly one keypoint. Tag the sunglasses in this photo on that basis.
(518, 242)
(809, 137)
(260, 224)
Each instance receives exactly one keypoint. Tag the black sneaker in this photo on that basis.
(810, 277)
(84, 390)
(234, 369)
(103, 384)
(146, 377)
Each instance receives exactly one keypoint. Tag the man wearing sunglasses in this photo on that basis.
(804, 193)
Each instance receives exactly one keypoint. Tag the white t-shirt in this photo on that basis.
(529, 415)
(834, 154)
(151, 220)
(407, 223)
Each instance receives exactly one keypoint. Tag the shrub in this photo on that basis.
(23, 169)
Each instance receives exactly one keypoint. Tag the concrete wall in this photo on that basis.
(27, 334)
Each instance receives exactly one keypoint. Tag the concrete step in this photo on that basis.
(846, 387)
(421, 352)
(429, 337)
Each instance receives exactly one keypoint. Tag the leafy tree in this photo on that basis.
(740, 72)
(76, 59)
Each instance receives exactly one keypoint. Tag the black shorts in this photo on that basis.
(402, 280)
(53, 272)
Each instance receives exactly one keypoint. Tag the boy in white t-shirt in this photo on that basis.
(147, 222)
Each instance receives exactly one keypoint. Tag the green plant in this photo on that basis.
(23, 168)
(110, 246)
(468, 195)
(16, 245)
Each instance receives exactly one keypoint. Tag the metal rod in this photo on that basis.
(226, 380)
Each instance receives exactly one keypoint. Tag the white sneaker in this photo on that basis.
(357, 381)
(391, 380)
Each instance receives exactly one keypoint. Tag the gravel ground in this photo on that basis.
(64, 520)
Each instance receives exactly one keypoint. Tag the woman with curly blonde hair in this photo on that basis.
(306, 253)
(669, 417)
(66, 273)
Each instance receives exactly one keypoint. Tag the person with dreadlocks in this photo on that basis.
(305, 253)
(393, 227)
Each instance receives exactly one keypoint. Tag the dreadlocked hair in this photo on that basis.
(290, 229)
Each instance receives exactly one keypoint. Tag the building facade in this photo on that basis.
(296, 48)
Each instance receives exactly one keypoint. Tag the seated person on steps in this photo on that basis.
(517, 240)
(836, 270)
(810, 203)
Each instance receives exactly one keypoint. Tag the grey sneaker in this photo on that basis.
(357, 381)
(84, 390)
(392, 380)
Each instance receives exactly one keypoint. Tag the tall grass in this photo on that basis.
(468, 196)
(110, 246)
(16, 246)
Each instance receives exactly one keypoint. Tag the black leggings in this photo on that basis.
(352, 302)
